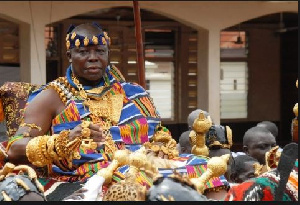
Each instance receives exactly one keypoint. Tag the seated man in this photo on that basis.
(257, 141)
(242, 169)
(72, 124)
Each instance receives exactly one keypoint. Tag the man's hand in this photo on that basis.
(96, 133)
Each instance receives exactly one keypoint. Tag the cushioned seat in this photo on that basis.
(14, 96)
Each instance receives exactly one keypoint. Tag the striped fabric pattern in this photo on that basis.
(146, 106)
(135, 132)
(69, 114)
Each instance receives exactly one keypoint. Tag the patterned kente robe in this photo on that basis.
(136, 125)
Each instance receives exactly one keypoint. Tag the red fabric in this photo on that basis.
(236, 193)
(267, 196)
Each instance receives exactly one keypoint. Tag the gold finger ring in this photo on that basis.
(86, 132)
(85, 124)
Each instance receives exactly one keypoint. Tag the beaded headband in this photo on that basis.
(75, 40)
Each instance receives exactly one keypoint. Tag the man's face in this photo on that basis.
(89, 62)
(247, 173)
(259, 145)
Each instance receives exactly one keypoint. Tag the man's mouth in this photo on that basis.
(93, 69)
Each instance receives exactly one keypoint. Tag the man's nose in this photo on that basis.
(92, 56)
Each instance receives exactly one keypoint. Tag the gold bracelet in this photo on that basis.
(42, 158)
(61, 142)
(50, 147)
(33, 152)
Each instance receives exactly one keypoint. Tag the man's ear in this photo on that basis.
(69, 55)
(232, 177)
(245, 149)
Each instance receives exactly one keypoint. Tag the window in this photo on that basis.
(234, 75)
(159, 67)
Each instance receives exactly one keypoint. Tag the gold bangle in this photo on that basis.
(42, 160)
(34, 152)
(61, 142)
(50, 147)
(43, 147)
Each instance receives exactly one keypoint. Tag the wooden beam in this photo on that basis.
(139, 44)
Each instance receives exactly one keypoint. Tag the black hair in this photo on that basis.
(248, 136)
(269, 126)
(238, 164)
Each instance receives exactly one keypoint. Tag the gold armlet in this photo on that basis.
(31, 126)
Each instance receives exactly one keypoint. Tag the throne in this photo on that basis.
(13, 98)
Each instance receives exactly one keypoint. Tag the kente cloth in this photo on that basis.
(194, 167)
(263, 188)
(136, 124)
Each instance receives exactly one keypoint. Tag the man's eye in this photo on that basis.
(100, 50)
(82, 51)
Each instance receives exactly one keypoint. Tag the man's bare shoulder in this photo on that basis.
(47, 99)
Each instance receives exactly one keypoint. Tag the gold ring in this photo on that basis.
(86, 132)
(85, 124)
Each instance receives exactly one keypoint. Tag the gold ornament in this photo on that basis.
(272, 158)
(86, 132)
(77, 43)
(73, 35)
(229, 137)
(67, 37)
(163, 145)
(31, 126)
(95, 40)
(105, 34)
(68, 44)
(216, 166)
(86, 41)
(258, 169)
(103, 41)
(200, 126)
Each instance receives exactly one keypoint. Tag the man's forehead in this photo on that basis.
(263, 139)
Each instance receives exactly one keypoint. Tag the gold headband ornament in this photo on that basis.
(75, 40)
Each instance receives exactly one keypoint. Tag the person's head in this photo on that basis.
(184, 143)
(194, 114)
(242, 168)
(88, 52)
(257, 141)
(269, 126)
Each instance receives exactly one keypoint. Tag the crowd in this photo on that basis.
(92, 136)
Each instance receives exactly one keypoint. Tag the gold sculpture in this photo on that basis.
(216, 166)
(128, 189)
(163, 145)
(197, 136)
(272, 158)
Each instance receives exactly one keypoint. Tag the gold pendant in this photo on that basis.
(108, 107)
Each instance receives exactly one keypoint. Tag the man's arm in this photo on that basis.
(40, 112)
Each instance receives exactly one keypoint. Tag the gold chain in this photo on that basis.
(105, 124)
